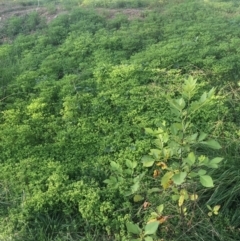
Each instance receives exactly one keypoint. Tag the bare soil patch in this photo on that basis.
(132, 13)
(8, 12)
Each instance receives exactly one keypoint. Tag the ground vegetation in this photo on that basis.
(119, 120)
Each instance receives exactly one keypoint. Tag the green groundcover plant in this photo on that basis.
(105, 134)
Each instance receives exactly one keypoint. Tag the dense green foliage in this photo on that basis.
(76, 96)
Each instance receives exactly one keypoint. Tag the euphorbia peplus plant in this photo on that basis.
(176, 160)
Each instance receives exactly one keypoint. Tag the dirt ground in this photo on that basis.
(7, 11)
(132, 13)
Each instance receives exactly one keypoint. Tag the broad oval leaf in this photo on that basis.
(193, 137)
(179, 178)
(175, 197)
(138, 198)
(193, 197)
(151, 228)
(192, 174)
(212, 144)
(115, 166)
(153, 215)
(175, 127)
(202, 136)
(181, 103)
(206, 181)
(191, 158)
(154, 189)
(107, 181)
(156, 153)
(112, 180)
(148, 238)
(139, 177)
(166, 180)
(181, 200)
(202, 172)
(203, 97)
(135, 187)
(160, 208)
(212, 165)
(216, 160)
(131, 164)
(128, 171)
(149, 131)
(133, 228)
(147, 161)
(216, 209)
(175, 108)
(210, 214)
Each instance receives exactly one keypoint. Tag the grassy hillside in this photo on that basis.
(119, 120)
